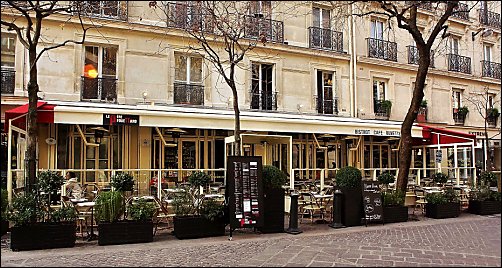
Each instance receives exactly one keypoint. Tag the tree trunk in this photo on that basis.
(406, 138)
(31, 126)
(237, 126)
(488, 160)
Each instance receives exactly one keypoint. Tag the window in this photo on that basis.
(8, 62)
(263, 96)
(487, 52)
(454, 45)
(456, 98)
(260, 9)
(100, 73)
(322, 18)
(376, 31)
(105, 9)
(379, 88)
(326, 102)
(188, 87)
(491, 97)
(380, 107)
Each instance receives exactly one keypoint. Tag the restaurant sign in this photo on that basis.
(120, 119)
(377, 132)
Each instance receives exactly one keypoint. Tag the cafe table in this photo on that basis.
(91, 236)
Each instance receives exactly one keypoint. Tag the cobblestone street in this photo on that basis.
(469, 240)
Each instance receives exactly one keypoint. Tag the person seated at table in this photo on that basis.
(72, 187)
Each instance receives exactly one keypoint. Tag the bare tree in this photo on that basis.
(485, 104)
(225, 32)
(27, 20)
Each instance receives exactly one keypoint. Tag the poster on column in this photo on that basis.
(244, 174)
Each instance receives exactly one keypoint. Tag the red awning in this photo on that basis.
(45, 114)
(435, 135)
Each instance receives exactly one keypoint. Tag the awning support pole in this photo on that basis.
(9, 163)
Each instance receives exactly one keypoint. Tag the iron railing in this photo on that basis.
(325, 39)
(264, 100)
(103, 9)
(421, 5)
(264, 29)
(381, 109)
(457, 63)
(490, 69)
(458, 118)
(189, 16)
(99, 89)
(382, 49)
(489, 18)
(192, 94)
(8, 81)
(327, 106)
(461, 11)
(492, 120)
(414, 57)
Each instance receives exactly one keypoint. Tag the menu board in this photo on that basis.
(372, 201)
(245, 191)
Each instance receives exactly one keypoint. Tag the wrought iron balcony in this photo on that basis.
(103, 9)
(421, 5)
(188, 94)
(264, 29)
(8, 81)
(489, 18)
(414, 57)
(99, 89)
(327, 106)
(325, 39)
(491, 120)
(461, 11)
(264, 100)
(491, 69)
(381, 108)
(382, 49)
(458, 118)
(184, 15)
(457, 63)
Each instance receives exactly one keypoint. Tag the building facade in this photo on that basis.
(325, 91)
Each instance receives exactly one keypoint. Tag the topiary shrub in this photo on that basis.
(141, 210)
(348, 177)
(109, 206)
(273, 177)
(50, 181)
(199, 178)
(439, 178)
(393, 199)
(122, 182)
(386, 178)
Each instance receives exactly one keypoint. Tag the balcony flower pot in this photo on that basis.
(197, 226)
(422, 115)
(442, 211)
(125, 232)
(43, 235)
(485, 207)
(273, 199)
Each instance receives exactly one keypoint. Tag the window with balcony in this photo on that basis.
(105, 9)
(457, 63)
(489, 18)
(377, 46)
(326, 100)
(263, 95)
(414, 57)
(321, 35)
(188, 15)
(8, 62)
(381, 105)
(492, 114)
(489, 68)
(260, 25)
(99, 81)
(461, 12)
(456, 99)
(188, 88)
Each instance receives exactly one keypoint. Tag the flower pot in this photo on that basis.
(395, 214)
(352, 211)
(441, 211)
(43, 235)
(484, 207)
(273, 211)
(197, 227)
(125, 232)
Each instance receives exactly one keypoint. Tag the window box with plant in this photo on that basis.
(348, 180)
(484, 201)
(460, 114)
(393, 207)
(383, 108)
(442, 205)
(422, 112)
(492, 115)
(197, 217)
(273, 199)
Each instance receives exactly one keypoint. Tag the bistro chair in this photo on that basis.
(164, 213)
(83, 214)
(420, 200)
(310, 207)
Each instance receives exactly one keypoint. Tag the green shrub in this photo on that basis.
(439, 178)
(386, 105)
(65, 214)
(393, 199)
(183, 203)
(484, 194)
(199, 178)
(211, 209)
(487, 178)
(436, 198)
(50, 181)
(463, 111)
(141, 210)
(492, 112)
(25, 210)
(386, 178)
(423, 104)
(273, 178)
(451, 195)
(348, 177)
(109, 206)
(122, 182)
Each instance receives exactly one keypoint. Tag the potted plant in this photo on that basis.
(273, 200)
(348, 180)
(442, 205)
(492, 114)
(5, 202)
(422, 112)
(122, 182)
(385, 179)
(393, 207)
(32, 230)
(196, 217)
(49, 183)
(484, 201)
(440, 178)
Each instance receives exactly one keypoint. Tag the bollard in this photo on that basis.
(337, 210)
(293, 215)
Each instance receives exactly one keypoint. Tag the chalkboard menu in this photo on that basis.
(245, 191)
(372, 201)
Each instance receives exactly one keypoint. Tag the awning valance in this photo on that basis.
(45, 114)
(434, 135)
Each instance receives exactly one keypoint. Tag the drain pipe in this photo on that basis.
(351, 70)
(354, 64)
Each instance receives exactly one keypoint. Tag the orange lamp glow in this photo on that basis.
(90, 71)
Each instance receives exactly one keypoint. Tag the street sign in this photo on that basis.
(439, 156)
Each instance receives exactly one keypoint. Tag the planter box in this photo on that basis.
(441, 211)
(352, 208)
(273, 210)
(395, 214)
(43, 236)
(197, 227)
(124, 232)
(5, 227)
(484, 207)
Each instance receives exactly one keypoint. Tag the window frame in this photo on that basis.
(100, 60)
(373, 26)
(188, 75)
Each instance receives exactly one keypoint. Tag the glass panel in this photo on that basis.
(116, 152)
(316, 17)
(8, 50)
(77, 151)
(201, 154)
(180, 68)
(376, 156)
(385, 156)
(91, 62)
(62, 146)
(189, 153)
(196, 70)
(109, 61)
(326, 22)
(367, 157)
